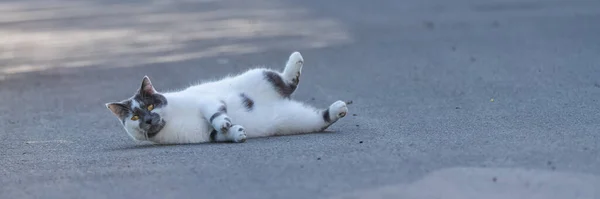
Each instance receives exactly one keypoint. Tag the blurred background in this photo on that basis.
(452, 99)
(60, 35)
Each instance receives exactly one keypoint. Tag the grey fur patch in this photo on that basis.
(326, 117)
(247, 102)
(121, 109)
(283, 88)
(155, 128)
(223, 108)
(147, 95)
(151, 122)
(296, 79)
(217, 114)
(148, 120)
(156, 99)
(213, 135)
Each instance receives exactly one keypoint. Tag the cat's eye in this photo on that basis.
(150, 107)
(135, 117)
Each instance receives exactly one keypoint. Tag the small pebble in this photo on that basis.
(357, 125)
(360, 142)
(318, 158)
(353, 114)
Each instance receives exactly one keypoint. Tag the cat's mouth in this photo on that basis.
(155, 129)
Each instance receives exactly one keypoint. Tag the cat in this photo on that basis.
(254, 103)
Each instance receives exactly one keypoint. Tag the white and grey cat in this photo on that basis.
(255, 103)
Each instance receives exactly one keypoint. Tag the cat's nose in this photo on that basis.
(148, 120)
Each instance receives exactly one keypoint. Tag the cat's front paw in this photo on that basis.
(225, 125)
(338, 110)
(238, 133)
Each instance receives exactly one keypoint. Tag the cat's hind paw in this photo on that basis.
(295, 60)
(237, 133)
(293, 68)
(338, 110)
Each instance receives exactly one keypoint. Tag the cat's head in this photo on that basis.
(141, 113)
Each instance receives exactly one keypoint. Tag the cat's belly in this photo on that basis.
(258, 122)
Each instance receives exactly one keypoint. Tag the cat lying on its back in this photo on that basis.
(255, 103)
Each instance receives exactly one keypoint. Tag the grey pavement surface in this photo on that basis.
(452, 98)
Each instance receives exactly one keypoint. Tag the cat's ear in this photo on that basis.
(146, 88)
(118, 108)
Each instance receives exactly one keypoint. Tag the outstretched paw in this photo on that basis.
(296, 60)
(237, 133)
(293, 68)
(338, 110)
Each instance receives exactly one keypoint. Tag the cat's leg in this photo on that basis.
(224, 128)
(296, 117)
(287, 81)
(235, 133)
(293, 69)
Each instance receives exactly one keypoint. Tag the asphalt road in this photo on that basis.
(452, 98)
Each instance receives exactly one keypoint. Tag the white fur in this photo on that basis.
(188, 110)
